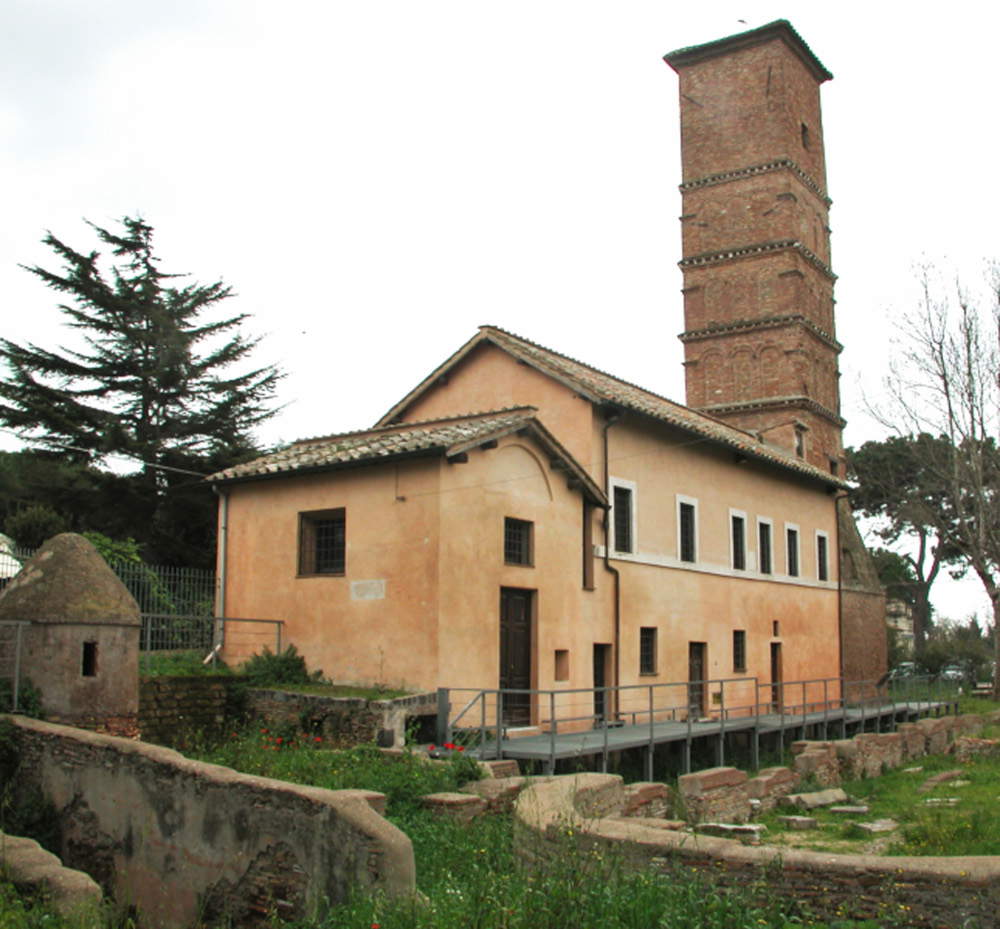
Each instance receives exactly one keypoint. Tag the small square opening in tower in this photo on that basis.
(89, 663)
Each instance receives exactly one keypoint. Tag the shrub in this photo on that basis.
(285, 667)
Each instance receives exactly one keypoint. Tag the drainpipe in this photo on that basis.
(842, 495)
(220, 593)
(613, 417)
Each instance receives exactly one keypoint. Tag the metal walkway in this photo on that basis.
(551, 747)
(603, 738)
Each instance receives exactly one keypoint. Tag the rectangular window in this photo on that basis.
(647, 650)
(739, 650)
(764, 546)
(738, 524)
(822, 570)
(588, 545)
(792, 546)
(621, 512)
(322, 542)
(517, 541)
(562, 664)
(687, 530)
(89, 664)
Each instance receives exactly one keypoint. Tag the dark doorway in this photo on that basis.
(515, 654)
(602, 655)
(776, 688)
(696, 678)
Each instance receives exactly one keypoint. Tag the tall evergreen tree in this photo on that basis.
(152, 379)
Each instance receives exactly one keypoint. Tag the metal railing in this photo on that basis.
(711, 707)
(11, 632)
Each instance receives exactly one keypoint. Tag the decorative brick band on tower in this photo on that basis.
(760, 343)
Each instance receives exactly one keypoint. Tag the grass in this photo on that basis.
(470, 877)
(184, 663)
(323, 689)
(283, 753)
(971, 827)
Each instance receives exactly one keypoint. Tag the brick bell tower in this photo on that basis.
(760, 350)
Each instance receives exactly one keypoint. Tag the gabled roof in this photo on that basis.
(604, 389)
(449, 437)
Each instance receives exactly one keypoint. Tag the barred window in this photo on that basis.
(622, 514)
(322, 542)
(688, 530)
(764, 547)
(739, 543)
(739, 650)
(517, 541)
(647, 650)
(822, 571)
(792, 543)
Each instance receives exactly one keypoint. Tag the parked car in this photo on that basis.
(953, 672)
(904, 670)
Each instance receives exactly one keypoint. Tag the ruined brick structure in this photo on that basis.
(760, 347)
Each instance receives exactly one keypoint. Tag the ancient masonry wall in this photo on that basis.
(924, 892)
(183, 840)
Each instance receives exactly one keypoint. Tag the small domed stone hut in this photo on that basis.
(82, 647)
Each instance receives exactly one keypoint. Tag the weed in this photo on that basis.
(284, 667)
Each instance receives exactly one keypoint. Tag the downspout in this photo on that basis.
(843, 495)
(613, 417)
(222, 545)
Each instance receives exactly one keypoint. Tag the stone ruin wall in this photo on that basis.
(925, 892)
(183, 840)
(588, 809)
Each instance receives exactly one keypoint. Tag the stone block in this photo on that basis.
(700, 782)
(498, 793)
(752, 831)
(914, 742)
(646, 798)
(850, 809)
(967, 748)
(878, 826)
(816, 799)
(502, 767)
(799, 823)
(463, 807)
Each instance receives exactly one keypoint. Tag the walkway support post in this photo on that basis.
(441, 729)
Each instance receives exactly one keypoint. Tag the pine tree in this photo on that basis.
(152, 380)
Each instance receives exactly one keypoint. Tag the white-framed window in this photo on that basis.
(822, 556)
(623, 516)
(792, 549)
(765, 545)
(687, 528)
(738, 540)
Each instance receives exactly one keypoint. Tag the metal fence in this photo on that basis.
(158, 589)
(10, 664)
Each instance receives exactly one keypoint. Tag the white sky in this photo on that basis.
(378, 177)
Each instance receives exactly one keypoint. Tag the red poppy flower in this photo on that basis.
(431, 748)
(317, 739)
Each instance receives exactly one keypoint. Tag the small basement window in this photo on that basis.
(89, 664)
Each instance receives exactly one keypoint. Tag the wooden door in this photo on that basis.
(601, 653)
(776, 688)
(697, 666)
(515, 654)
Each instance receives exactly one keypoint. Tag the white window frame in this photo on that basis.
(740, 514)
(630, 486)
(820, 534)
(766, 521)
(798, 550)
(693, 502)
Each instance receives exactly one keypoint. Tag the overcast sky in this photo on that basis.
(377, 178)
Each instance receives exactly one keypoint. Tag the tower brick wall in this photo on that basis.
(760, 345)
